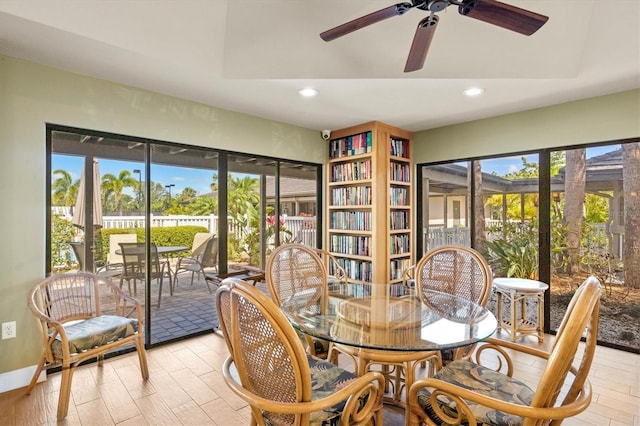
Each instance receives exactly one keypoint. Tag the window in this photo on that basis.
(557, 216)
(166, 193)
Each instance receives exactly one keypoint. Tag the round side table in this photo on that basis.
(517, 290)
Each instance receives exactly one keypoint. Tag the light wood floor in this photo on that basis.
(186, 387)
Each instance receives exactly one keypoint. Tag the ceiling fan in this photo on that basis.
(491, 11)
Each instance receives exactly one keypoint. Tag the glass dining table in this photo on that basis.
(392, 330)
(406, 323)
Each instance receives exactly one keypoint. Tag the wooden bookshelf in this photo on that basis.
(369, 204)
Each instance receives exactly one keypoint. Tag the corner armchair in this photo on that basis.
(82, 316)
(484, 391)
(270, 370)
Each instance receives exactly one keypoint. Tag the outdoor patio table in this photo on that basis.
(162, 251)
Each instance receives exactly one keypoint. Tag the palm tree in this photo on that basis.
(243, 196)
(65, 190)
(574, 192)
(631, 188)
(480, 232)
(114, 186)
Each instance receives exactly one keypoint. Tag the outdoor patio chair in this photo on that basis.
(114, 260)
(134, 260)
(269, 369)
(103, 272)
(484, 391)
(81, 316)
(203, 258)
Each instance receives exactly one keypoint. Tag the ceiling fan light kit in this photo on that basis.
(490, 11)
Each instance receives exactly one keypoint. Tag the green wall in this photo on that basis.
(598, 119)
(32, 95)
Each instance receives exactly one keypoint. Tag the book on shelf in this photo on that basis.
(350, 145)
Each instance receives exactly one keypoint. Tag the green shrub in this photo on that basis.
(162, 236)
(516, 253)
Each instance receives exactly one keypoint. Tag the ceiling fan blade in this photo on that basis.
(504, 15)
(421, 42)
(364, 21)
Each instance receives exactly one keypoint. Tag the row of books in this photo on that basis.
(351, 145)
(397, 268)
(351, 289)
(350, 244)
(399, 147)
(346, 172)
(399, 196)
(397, 289)
(399, 244)
(356, 221)
(352, 196)
(359, 270)
(399, 220)
(399, 172)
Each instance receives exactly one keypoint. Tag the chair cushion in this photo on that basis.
(94, 332)
(484, 381)
(326, 378)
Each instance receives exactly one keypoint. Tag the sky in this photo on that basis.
(502, 166)
(181, 177)
(201, 180)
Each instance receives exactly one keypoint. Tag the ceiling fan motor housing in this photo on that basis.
(436, 5)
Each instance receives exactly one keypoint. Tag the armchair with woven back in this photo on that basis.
(268, 368)
(295, 271)
(82, 316)
(457, 270)
(481, 389)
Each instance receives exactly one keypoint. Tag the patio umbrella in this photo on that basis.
(78, 218)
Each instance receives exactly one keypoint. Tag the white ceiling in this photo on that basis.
(252, 56)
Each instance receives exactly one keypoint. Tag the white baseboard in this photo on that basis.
(19, 378)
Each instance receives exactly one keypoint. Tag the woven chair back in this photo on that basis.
(67, 297)
(270, 360)
(457, 270)
(295, 274)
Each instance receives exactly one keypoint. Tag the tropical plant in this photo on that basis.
(113, 186)
(516, 253)
(62, 232)
(64, 188)
(202, 205)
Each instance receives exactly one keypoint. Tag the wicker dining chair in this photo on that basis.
(468, 392)
(457, 270)
(81, 316)
(270, 370)
(295, 271)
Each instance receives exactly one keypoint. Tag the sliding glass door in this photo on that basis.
(192, 212)
(555, 215)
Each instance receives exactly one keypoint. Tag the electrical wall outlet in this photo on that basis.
(8, 330)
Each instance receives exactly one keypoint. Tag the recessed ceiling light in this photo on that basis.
(474, 91)
(308, 92)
